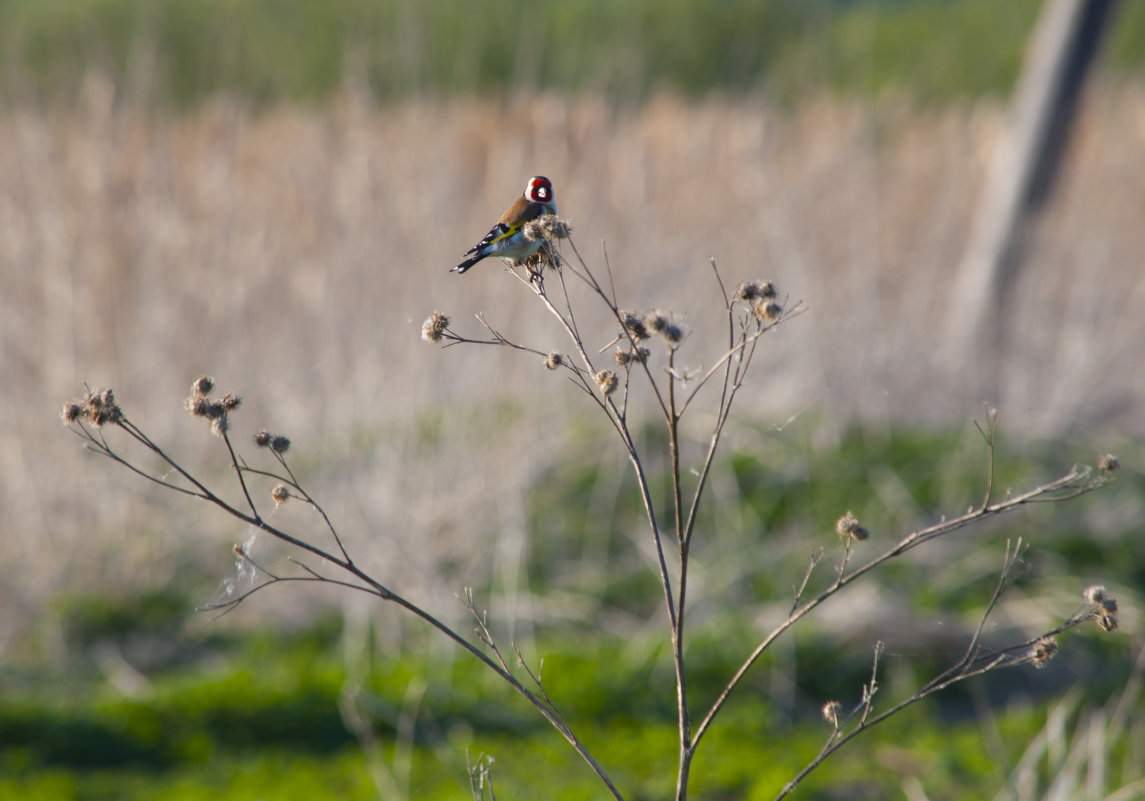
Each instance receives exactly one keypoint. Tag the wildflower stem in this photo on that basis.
(684, 724)
(1076, 482)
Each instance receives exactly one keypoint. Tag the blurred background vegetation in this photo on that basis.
(271, 191)
(182, 51)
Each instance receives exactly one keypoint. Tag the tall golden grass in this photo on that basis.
(294, 253)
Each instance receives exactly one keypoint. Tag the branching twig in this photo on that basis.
(367, 583)
(1076, 482)
(752, 310)
(974, 662)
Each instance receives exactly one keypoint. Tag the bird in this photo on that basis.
(506, 239)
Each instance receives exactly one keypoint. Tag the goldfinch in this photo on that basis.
(505, 239)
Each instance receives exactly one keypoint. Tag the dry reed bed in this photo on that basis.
(294, 253)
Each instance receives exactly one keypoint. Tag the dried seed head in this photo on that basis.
(848, 527)
(280, 494)
(1095, 594)
(276, 442)
(202, 385)
(100, 407)
(766, 311)
(559, 228)
(547, 227)
(830, 712)
(1107, 463)
(1042, 651)
(198, 406)
(625, 357)
(1106, 608)
(230, 402)
(662, 324)
(434, 327)
(239, 550)
(70, 412)
(751, 290)
(546, 256)
(553, 361)
(657, 321)
(606, 382)
(220, 424)
(634, 325)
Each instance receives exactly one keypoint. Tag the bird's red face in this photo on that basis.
(539, 190)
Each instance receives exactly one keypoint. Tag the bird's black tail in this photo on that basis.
(465, 265)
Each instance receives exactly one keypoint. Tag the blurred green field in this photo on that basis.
(183, 51)
(263, 722)
(211, 711)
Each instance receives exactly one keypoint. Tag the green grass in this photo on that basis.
(181, 51)
(263, 722)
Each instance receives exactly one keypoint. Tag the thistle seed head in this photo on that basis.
(202, 385)
(1095, 593)
(625, 357)
(197, 405)
(753, 290)
(99, 408)
(1042, 651)
(606, 382)
(634, 325)
(220, 424)
(830, 712)
(70, 412)
(547, 227)
(433, 329)
(848, 527)
(766, 311)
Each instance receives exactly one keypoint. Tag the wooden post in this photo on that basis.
(1021, 177)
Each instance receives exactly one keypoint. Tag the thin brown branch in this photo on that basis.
(1076, 482)
(99, 446)
(684, 725)
(536, 679)
(1009, 559)
(797, 592)
(614, 308)
(742, 346)
(990, 434)
(368, 584)
(239, 475)
(970, 665)
(620, 426)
